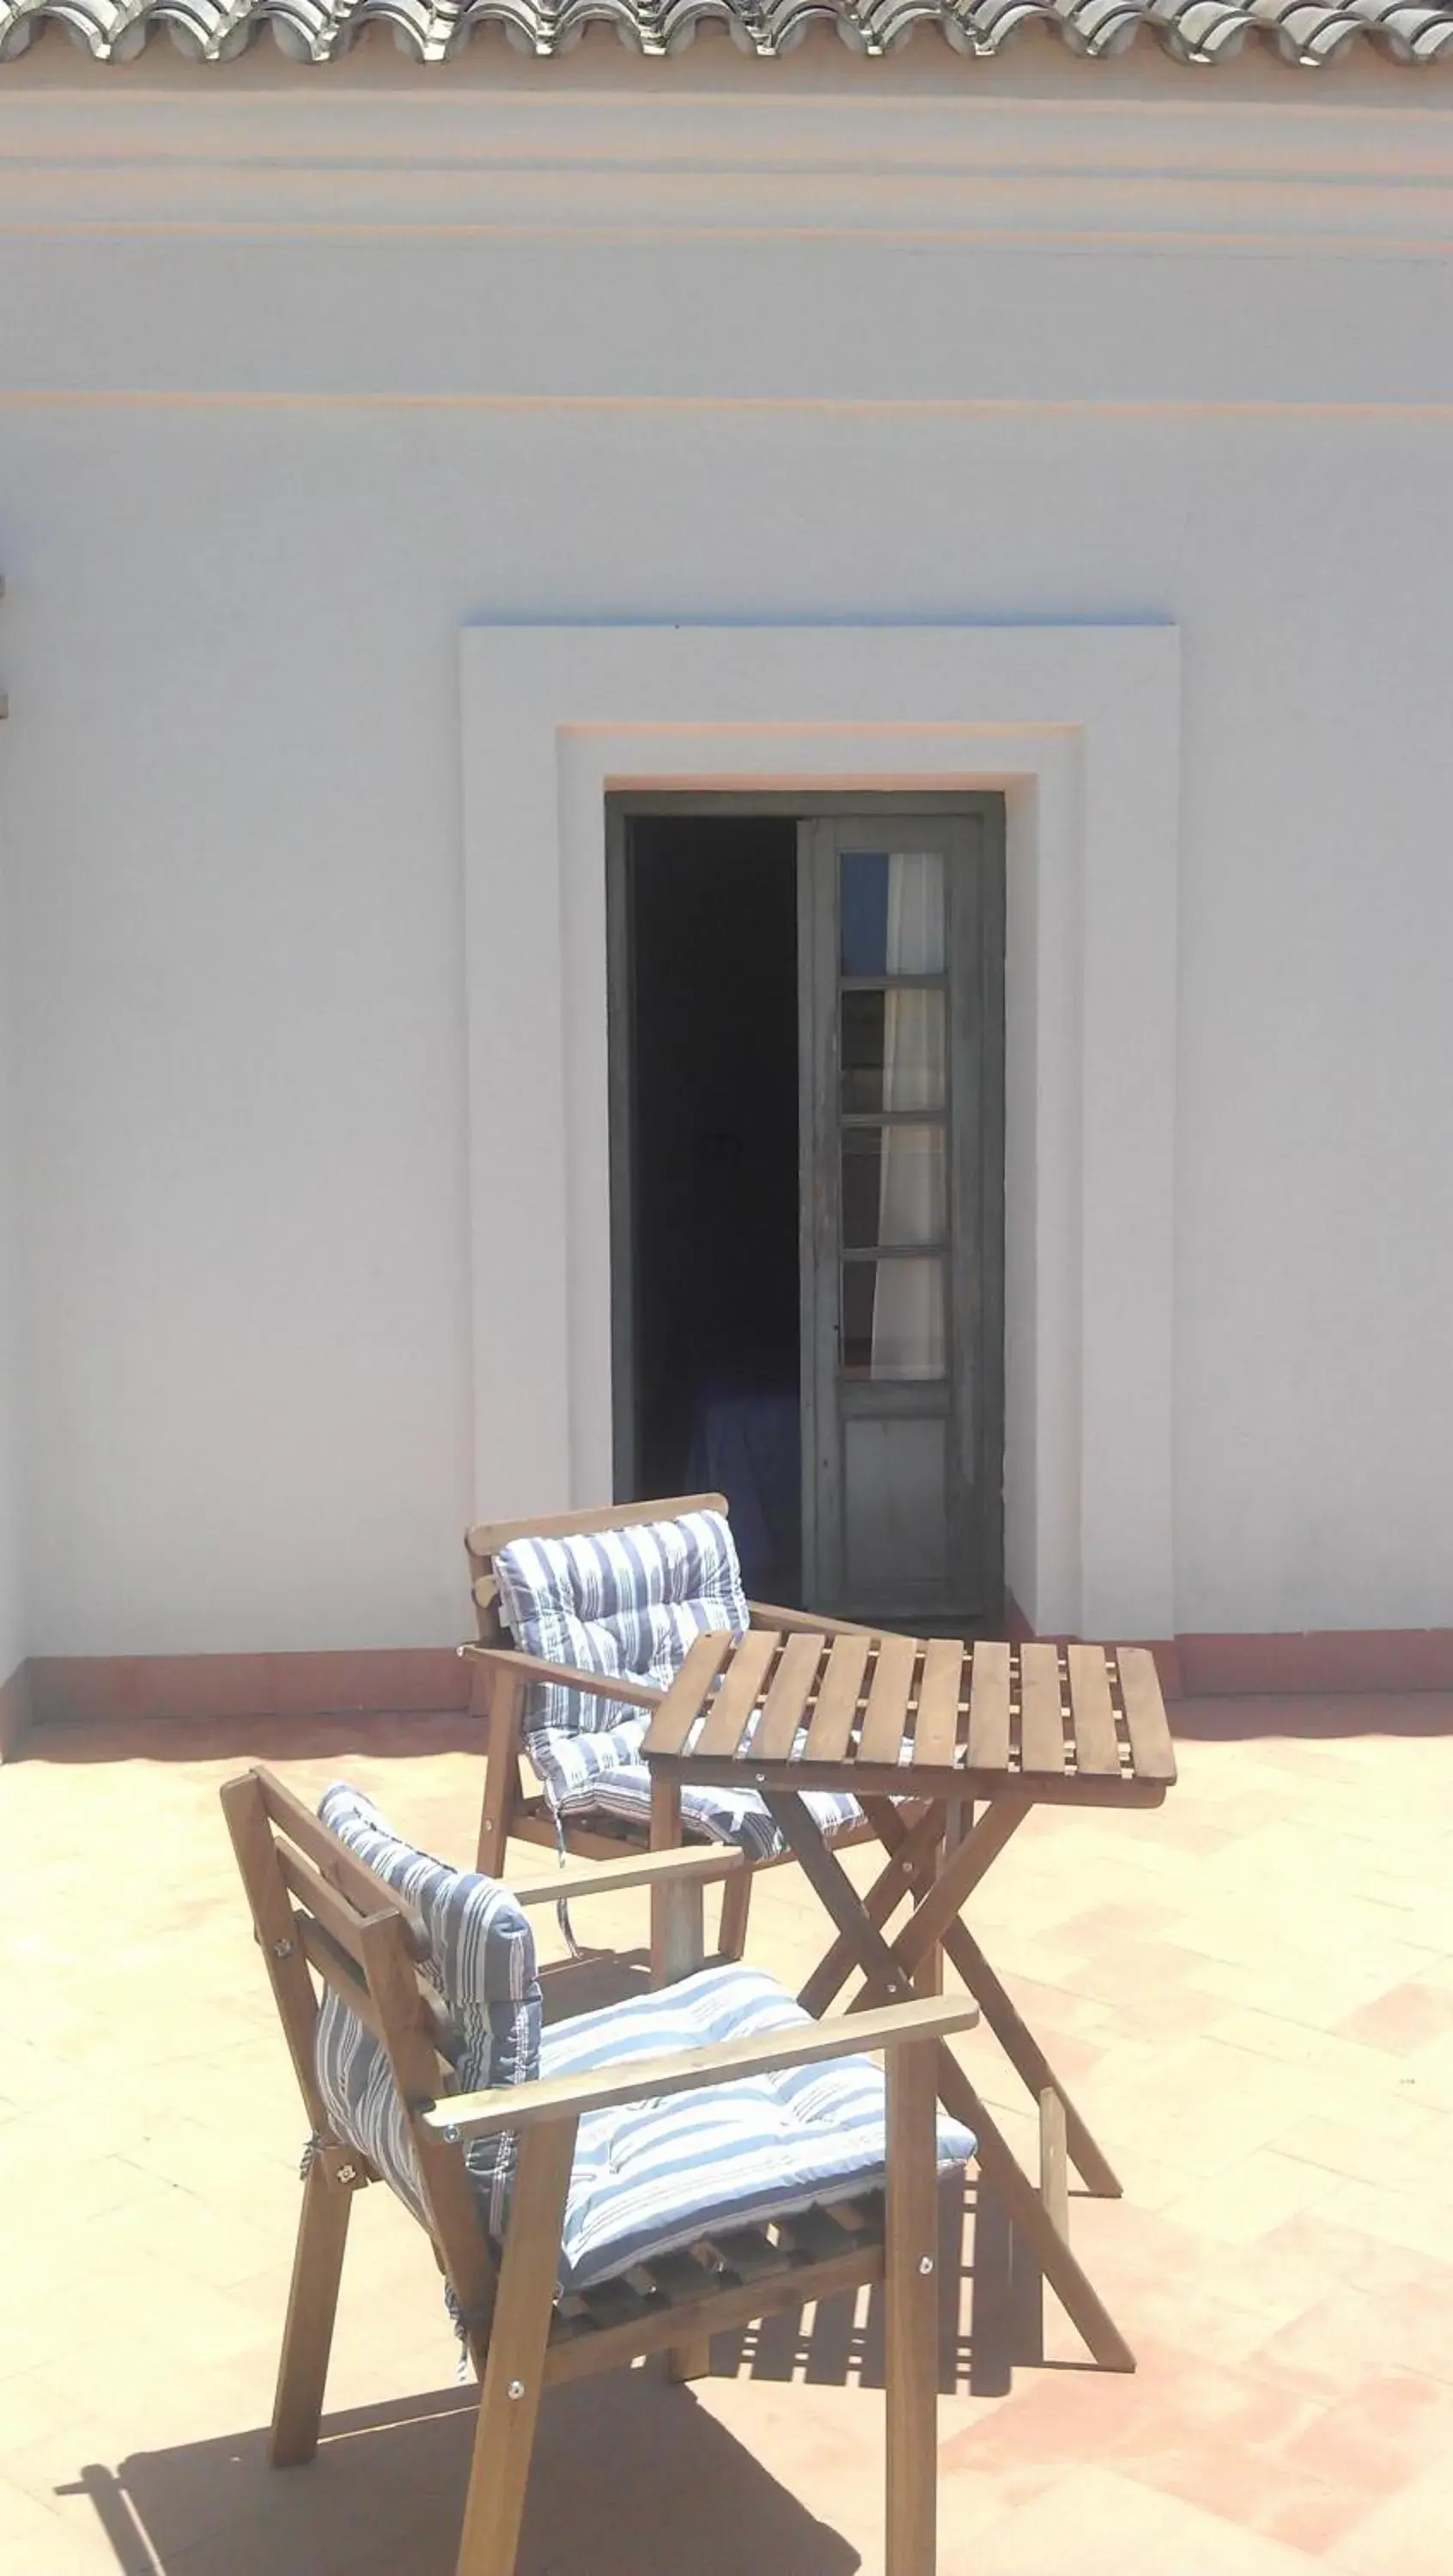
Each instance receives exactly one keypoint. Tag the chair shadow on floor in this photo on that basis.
(632, 2475)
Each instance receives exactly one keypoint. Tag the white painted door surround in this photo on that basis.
(1078, 726)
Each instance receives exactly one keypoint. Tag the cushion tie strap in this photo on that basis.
(562, 1909)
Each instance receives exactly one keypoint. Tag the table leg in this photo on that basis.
(884, 1897)
(957, 1824)
(959, 1874)
(888, 1971)
(1028, 2059)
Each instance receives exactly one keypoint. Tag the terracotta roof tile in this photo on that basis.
(1303, 32)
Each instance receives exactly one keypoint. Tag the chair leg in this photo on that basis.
(911, 2293)
(665, 1914)
(514, 2370)
(736, 1901)
(689, 2360)
(312, 2305)
(501, 1772)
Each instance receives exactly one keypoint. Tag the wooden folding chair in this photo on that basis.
(503, 1675)
(318, 1910)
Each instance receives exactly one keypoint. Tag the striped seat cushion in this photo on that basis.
(482, 1960)
(650, 2176)
(653, 2176)
(623, 1788)
(628, 1603)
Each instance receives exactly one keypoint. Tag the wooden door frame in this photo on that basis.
(625, 806)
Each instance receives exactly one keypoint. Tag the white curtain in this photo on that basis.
(908, 1320)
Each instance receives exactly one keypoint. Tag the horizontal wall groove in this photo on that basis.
(947, 406)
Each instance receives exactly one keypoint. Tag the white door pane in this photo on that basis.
(893, 1049)
(893, 1186)
(893, 1319)
(892, 912)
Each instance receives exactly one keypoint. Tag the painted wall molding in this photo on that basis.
(690, 151)
(1079, 727)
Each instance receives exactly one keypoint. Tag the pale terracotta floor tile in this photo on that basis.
(1332, 2348)
(1385, 2433)
(1413, 2150)
(1325, 2059)
(1095, 2523)
(1213, 2435)
(1405, 2018)
(1418, 2214)
(1253, 2194)
(1250, 1992)
(34, 2541)
(1410, 2535)
(1427, 2074)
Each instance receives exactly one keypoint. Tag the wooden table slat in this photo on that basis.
(1041, 1729)
(936, 1734)
(682, 1705)
(730, 1711)
(785, 1705)
(988, 1748)
(889, 1692)
(838, 1693)
(850, 1701)
(1150, 1744)
(1097, 1747)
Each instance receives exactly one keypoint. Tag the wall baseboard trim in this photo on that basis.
(386, 1681)
(1317, 1659)
(16, 1712)
(1165, 1649)
(60, 1690)
(1301, 1662)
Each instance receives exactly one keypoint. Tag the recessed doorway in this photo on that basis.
(806, 1068)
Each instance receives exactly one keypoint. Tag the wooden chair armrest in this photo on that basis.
(699, 1864)
(812, 1623)
(600, 1685)
(568, 2097)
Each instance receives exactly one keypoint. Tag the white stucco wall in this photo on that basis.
(345, 362)
(12, 1581)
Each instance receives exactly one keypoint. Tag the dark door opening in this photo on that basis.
(806, 1067)
(709, 989)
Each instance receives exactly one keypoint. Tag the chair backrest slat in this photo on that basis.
(366, 1892)
(338, 1954)
(326, 1904)
(339, 1971)
(276, 1927)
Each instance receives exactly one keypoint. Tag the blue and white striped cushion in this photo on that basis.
(626, 1602)
(653, 2176)
(650, 2176)
(629, 1602)
(623, 1788)
(481, 1958)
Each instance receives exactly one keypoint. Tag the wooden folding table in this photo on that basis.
(922, 1733)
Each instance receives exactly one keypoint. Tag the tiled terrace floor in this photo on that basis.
(1251, 1991)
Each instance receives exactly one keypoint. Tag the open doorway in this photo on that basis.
(708, 986)
(806, 1065)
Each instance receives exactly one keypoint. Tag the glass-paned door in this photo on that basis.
(901, 952)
